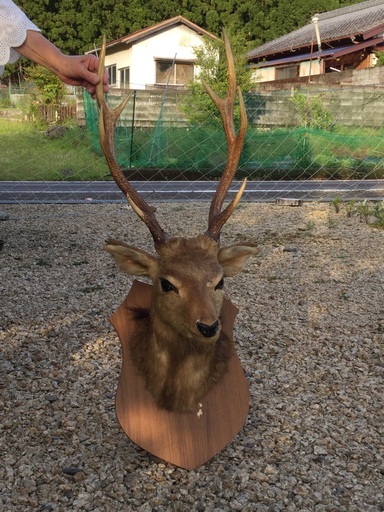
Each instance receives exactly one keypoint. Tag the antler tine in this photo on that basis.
(218, 218)
(107, 122)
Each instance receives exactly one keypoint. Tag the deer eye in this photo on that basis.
(220, 284)
(166, 286)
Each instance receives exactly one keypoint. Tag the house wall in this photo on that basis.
(352, 61)
(266, 74)
(306, 68)
(120, 58)
(367, 61)
(369, 76)
(176, 42)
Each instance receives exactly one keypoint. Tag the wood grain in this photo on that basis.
(187, 440)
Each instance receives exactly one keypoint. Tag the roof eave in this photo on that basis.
(374, 32)
(307, 47)
(325, 54)
(154, 29)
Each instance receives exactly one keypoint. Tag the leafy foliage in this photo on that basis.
(380, 59)
(44, 89)
(213, 70)
(311, 112)
(44, 86)
(76, 26)
(378, 213)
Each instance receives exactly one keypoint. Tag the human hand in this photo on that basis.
(81, 70)
(78, 70)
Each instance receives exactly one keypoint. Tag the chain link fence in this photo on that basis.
(306, 134)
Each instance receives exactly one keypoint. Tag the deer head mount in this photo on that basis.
(179, 346)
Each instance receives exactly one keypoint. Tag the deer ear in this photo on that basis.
(131, 260)
(234, 258)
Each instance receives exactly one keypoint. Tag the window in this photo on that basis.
(124, 78)
(112, 74)
(286, 72)
(178, 73)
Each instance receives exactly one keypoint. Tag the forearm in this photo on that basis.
(41, 51)
(21, 36)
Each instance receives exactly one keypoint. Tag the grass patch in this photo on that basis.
(28, 154)
(348, 153)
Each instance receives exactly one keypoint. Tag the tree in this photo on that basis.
(44, 89)
(44, 86)
(214, 71)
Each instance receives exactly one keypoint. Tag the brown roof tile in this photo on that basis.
(362, 19)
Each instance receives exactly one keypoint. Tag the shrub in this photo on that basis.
(311, 112)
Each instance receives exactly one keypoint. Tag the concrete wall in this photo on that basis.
(146, 107)
(362, 106)
(12, 114)
(353, 97)
(349, 106)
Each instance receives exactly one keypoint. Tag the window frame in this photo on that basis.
(123, 83)
(173, 80)
(112, 73)
(280, 69)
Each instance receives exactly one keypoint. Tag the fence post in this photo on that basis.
(132, 127)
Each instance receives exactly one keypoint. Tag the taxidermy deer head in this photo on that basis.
(179, 346)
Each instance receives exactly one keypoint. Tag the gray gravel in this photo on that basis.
(309, 334)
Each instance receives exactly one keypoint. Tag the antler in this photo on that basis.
(218, 218)
(107, 122)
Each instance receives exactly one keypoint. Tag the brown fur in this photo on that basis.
(178, 385)
(178, 363)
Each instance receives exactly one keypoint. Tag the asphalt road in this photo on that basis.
(12, 192)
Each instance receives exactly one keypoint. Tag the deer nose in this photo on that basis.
(208, 330)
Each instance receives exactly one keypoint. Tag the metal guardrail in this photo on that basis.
(12, 192)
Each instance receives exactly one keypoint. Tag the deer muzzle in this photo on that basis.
(208, 331)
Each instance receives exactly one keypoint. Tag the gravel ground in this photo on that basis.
(309, 334)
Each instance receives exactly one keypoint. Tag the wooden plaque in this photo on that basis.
(187, 440)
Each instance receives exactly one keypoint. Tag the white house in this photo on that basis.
(157, 56)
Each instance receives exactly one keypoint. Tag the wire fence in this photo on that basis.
(301, 135)
(296, 136)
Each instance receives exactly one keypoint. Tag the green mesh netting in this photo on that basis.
(153, 136)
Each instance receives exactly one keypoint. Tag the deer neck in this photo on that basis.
(185, 368)
(178, 371)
